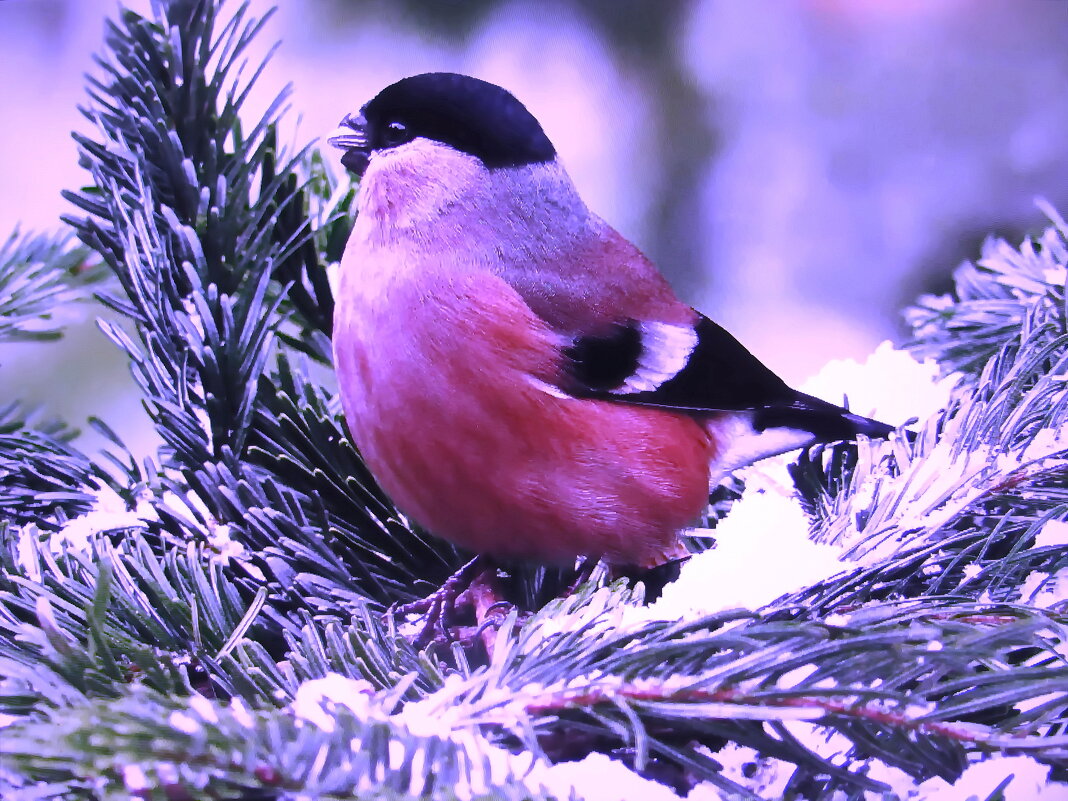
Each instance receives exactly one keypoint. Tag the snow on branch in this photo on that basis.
(211, 620)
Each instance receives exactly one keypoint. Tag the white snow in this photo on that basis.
(762, 551)
(767, 777)
(763, 547)
(1039, 700)
(203, 707)
(108, 513)
(890, 385)
(1030, 782)
(1053, 534)
(1055, 276)
(495, 766)
(1045, 590)
(599, 778)
(224, 548)
(933, 490)
(184, 722)
(241, 712)
(218, 535)
(744, 766)
(134, 779)
(314, 698)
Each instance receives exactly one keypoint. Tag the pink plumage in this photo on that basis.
(520, 379)
(469, 444)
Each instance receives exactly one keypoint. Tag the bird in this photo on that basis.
(518, 377)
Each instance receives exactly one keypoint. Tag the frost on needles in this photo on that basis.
(207, 623)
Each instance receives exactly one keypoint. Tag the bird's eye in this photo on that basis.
(396, 133)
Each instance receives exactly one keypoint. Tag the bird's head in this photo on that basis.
(453, 112)
(438, 140)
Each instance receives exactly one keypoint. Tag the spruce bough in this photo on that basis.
(208, 622)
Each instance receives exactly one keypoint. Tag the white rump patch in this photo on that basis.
(666, 350)
(745, 445)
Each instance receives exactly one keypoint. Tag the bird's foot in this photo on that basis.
(471, 593)
(439, 608)
(483, 596)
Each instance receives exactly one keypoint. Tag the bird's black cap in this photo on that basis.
(469, 114)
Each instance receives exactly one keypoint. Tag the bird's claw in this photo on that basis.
(440, 608)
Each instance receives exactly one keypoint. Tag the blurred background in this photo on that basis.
(800, 170)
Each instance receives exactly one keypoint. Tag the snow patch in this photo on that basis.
(1030, 782)
(241, 712)
(744, 766)
(203, 707)
(600, 778)
(437, 716)
(739, 571)
(1055, 276)
(1044, 589)
(315, 697)
(1054, 534)
(184, 722)
(108, 513)
(890, 385)
(762, 552)
(934, 490)
(1031, 703)
(134, 779)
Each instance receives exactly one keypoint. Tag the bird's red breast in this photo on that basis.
(448, 389)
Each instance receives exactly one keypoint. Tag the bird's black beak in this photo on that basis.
(351, 136)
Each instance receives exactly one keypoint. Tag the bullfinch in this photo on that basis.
(521, 380)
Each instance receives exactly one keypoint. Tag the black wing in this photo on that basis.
(700, 370)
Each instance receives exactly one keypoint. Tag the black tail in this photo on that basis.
(826, 422)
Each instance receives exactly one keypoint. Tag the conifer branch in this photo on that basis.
(150, 745)
(41, 473)
(165, 644)
(218, 237)
(956, 508)
(1010, 294)
(40, 277)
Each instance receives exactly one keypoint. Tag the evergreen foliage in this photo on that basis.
(165, 626)
(39, 275)
(40, 278)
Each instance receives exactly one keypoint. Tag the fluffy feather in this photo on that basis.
(485, 457)
(518, 376)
